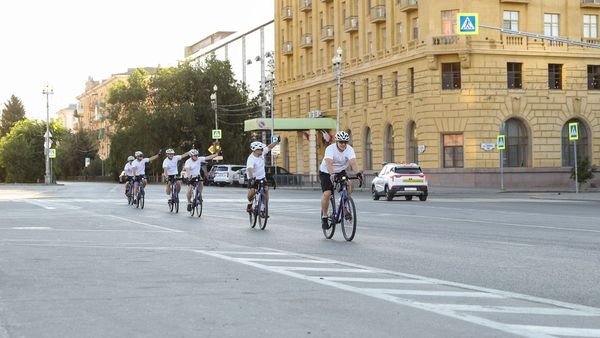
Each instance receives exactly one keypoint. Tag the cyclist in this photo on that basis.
(192, 171)
(127, 173)
(338, 157)
(170, 169)
(139, 169)
(255, 169)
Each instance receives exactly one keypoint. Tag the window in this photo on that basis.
(449, 22)
(411, 80)
(514, 75)
(366, 90)
(368, 160)
(510, 20)
(395, 79)
(415, 28)
(330, 98)
(590, 26)
(318, 105)
(353, 92)
(341, 95)
(516, 144)
(399, 33)
(453, 151)
(412, 148)
(593, 77)
(568, 151)
(380, 87)
(451, 75)
(388, 150)
(554, 76)
(308, 105)
(551, 24)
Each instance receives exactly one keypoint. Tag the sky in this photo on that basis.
(61, 43)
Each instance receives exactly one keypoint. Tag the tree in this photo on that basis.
(73, 150)
(12, 112)
(584, 170)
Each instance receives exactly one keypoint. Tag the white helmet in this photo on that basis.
(138, 153)
(169, 151)
(130, 158)
(193, 152)
(257, 145)
(342, 136)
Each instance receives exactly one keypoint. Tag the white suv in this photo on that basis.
(224, 173)
(404, 179)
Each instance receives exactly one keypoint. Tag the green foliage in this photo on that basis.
(172, 109)
(584, 170)
(73, 150)
(12, 112)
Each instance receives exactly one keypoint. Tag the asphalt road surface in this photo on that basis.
(77, 261)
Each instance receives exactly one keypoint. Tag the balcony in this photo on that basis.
(409, 5)
(286, 13)
(287, 48)
(306, 40)
(444, 40)
(590, 3)
(305, 5)
(516, 1)
(351, 24)
(377, 14)
(327, 33)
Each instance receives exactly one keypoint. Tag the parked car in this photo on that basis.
(224, 173)
(283, 177)
(404, 179)
(239, 177)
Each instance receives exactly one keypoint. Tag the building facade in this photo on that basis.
(413, 89)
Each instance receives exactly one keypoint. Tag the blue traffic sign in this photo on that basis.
(573, 131)
(467, 23)
(501, 144)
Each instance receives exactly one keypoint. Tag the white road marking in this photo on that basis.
(145, 224)
(31, 228)
(376, 280)
(39, 204)
(516, 309)
(434, 293)
(561, 331)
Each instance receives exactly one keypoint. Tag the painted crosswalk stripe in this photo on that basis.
(515, 309)
(560, 331)
(374, 280)
(433, 293)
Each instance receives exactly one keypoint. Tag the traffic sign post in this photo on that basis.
(501, 144)
(574, 136)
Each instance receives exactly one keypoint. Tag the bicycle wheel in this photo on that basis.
(141, 199)
(331, 218)
(263, 212)
(176, 203)
(198, 203)
(130, 197)
(254, 213)
(349, 219)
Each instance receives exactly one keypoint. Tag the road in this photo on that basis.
(76, 261)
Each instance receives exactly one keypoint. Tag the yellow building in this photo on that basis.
(414, 89)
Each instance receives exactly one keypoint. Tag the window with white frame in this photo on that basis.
(551, 26)
(590, 26)
(510, 20)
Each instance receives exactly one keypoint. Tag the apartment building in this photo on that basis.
(412, 89)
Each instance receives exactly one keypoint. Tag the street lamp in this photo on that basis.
(213, 101)
(47, 177)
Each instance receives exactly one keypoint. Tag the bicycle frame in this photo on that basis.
(260, 207)
(344, 212)
(196, 196)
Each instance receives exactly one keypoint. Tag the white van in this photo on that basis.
(224, 173)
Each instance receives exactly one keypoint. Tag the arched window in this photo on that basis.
(388, 145)
(412, 147)
(517, 144)
(568, 159)
(368, 153)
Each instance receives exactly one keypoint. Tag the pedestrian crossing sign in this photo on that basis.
(467, 23)
(501, 145)
(216, 134)
(573, 131)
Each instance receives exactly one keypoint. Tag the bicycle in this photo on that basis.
(196, 196)
(260, 207)
(138, 199)
(129, 187)
(174, 200)
(344, 212)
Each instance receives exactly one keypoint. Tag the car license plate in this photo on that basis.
(410, 189)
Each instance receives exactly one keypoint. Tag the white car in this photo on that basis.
(400, 179)
(224, 173)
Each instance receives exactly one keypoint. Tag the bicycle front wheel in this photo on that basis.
(199, 204)
(141, 199)
(328, 233)
(263, 212)
(349, 219)
(254, 213)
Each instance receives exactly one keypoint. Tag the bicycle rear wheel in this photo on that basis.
(263, 212)
(349, 219)
(328, 233)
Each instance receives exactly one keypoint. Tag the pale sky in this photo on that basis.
(61, 43)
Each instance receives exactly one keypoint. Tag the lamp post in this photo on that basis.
(336, 63)
(47, 177)
(270, 87)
